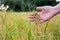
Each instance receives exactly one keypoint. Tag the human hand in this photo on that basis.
(47, 12)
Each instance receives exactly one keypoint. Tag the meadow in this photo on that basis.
(17, 26)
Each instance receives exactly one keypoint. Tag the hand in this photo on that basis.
(47, 12)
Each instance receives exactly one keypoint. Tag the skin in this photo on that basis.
(46, 13)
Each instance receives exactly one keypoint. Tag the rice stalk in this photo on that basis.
(3, 24)
(37, 24)
(46, 26)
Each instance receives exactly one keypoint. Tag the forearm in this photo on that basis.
(57, 7)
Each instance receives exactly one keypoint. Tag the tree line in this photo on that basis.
(27, 5)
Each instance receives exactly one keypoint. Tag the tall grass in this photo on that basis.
(38, 24)
(17, 26)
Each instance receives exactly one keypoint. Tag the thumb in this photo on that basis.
(39, 8)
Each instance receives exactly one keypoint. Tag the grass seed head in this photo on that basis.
(36, 16)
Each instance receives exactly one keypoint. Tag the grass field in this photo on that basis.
(17, 26)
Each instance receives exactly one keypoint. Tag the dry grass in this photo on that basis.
(17, 26)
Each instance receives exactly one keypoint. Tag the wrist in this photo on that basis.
(57, 10)
(57, 7)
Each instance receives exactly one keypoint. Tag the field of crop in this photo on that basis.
(17, 26)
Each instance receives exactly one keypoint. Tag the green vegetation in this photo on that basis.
(27, 5)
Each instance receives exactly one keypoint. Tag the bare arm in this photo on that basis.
(57, 7)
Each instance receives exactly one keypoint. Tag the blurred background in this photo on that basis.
(15, 24)
(27, 5)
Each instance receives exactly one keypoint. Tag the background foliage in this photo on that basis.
(27, 5)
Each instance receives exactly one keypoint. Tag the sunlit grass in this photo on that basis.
(17, 26)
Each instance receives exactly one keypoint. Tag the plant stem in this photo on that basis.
(46, 26)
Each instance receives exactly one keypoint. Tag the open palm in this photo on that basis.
(47, 12)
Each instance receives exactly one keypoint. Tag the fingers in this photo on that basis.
(43, 11)
(31, 16)
(32, 19)
(39, 8)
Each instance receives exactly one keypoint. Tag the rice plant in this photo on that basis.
(17, 26)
